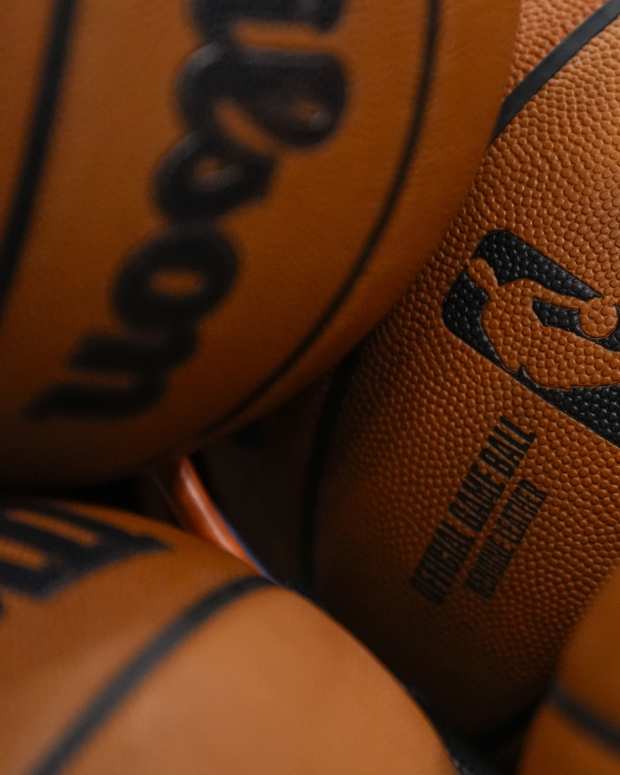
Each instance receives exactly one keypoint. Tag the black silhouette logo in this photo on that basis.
(548, 329)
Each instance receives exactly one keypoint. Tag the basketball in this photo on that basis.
(128, 646)
(578, 728)
(452, 491)
(205, 203)
(467, 508)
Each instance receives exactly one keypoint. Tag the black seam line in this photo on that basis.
(338, 388)
(136, 671)
(24, 198)
(554, 62)
(585, 719)
(323, 437)
(417, 123)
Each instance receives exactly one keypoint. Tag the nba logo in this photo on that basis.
(548, 329)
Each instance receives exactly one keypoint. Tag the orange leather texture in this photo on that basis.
(128, 646)
(580, 732)
(17, 24)
(468, 509)
(558, 747)
(204, 205)
(542, 26)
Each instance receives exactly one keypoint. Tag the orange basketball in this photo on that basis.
(578, 729)
(205, 203)
(127, 646)
(460, 478)
(469, 503)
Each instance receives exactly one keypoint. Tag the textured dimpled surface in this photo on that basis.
(544, 24)
(539, 349)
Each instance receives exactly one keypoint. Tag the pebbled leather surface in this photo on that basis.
(516, 318)
(543, 24)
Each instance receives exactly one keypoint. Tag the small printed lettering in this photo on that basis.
(491, 565)
(505, 538)
(441, 562)
(470, 511)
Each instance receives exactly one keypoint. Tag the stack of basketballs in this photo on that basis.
(310, 407)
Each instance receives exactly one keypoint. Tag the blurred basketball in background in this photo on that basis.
(128, 646)
(204, 204)
(578, 728)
